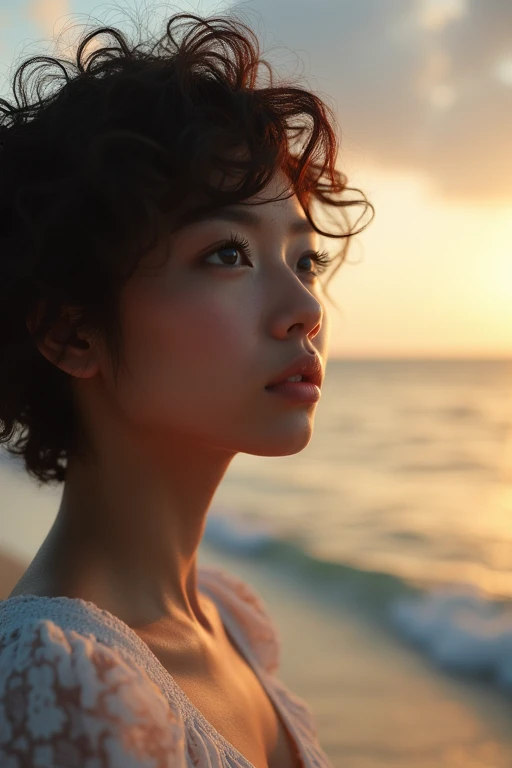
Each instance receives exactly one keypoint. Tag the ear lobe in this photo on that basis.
(61, 341)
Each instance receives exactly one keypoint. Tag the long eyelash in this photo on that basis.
(238, 240)
(322, 259)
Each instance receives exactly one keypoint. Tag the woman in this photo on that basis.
(159, 281)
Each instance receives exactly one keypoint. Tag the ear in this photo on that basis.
(78, 352)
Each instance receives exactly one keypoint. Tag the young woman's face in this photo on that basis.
(206, 334)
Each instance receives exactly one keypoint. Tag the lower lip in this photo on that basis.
(300, 391)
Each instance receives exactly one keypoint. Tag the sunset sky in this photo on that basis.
(422, 90)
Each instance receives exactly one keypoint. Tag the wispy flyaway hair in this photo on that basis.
(103, 154)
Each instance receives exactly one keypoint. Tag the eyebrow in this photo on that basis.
(244, 216)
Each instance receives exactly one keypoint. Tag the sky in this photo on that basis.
(422, 94)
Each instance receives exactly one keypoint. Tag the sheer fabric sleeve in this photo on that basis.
(250, 611)
(252, 614)
(69, 701)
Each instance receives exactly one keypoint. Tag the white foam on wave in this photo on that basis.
(461, 630)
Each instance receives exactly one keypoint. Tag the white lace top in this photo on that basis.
(80, 689)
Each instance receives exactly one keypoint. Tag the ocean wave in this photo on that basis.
(459, 628)
(230, 532)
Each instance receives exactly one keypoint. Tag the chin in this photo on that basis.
(281, 444)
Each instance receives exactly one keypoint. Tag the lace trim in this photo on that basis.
(110, 630)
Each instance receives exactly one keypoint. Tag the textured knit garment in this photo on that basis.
(80, 689)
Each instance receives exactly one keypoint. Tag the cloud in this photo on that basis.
(47, 14)
(414, 87)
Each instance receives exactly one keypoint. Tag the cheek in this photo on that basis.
(211, 336)
(207, 338)
(186, 352)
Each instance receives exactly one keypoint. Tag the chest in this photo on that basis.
(235, 703)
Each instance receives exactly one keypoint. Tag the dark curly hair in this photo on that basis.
(94, 171)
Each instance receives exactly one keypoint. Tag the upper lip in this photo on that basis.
(310, 366)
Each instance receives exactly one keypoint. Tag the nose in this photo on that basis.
(302, 314)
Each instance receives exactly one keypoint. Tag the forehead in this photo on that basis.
(281, 210)
(279, 186)
(261, 210)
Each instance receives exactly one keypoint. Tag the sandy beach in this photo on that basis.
(377, 703)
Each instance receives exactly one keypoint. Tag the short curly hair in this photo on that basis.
(94, 171)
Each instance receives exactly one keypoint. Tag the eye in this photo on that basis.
(230, 247)
(238, 243)
(321, 259)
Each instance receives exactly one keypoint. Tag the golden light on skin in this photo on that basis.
(428, 276)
